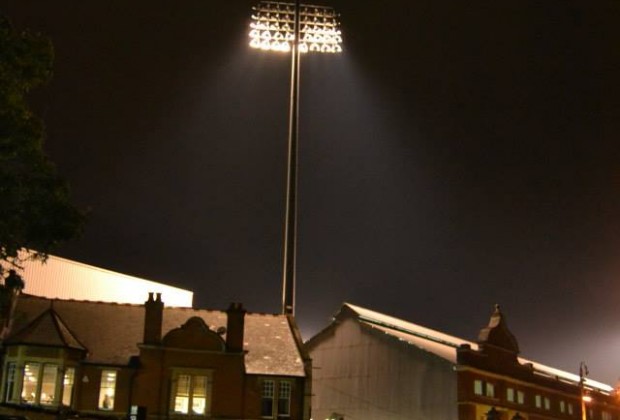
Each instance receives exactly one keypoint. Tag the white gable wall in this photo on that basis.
(362, 373)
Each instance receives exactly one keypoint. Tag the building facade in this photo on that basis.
(98, 359)
(368, 365)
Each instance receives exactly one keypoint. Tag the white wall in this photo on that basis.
(366, 374)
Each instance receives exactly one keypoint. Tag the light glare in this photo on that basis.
(272, 28)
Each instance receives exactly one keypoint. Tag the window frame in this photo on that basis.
(193, 375)
(277, 387)
(101, 404)
(520, 397)
(485, 389)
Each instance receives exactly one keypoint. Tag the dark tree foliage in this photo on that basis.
(35, 211)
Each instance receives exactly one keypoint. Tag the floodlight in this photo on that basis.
(273, 28)
(293, 28)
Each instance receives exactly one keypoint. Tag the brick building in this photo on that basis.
(372, 366)
(100, 359)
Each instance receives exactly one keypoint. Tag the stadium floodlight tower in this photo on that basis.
(293, 28)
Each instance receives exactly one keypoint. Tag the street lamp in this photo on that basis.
(293, 28)
(583, 372)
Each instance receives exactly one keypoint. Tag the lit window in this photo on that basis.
(40, 383)
(490, 390)
(562, 407)
(31, 382)
(484, 388)
(272, 391)
(538, 401)
(191, 393)
(67, 386)
(478, 387)
(107, 390)
(520, 397)
(48, 384)
(9, 381)
(570, 408)
(510, 394)
(547, 403)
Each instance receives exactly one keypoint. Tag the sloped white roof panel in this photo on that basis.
(59, 278)
(444, 345)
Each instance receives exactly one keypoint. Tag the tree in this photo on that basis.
(36, 213)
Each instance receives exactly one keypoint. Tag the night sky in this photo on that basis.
(457, 155)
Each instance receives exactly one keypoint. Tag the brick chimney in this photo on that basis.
(234, 327)
(153, 315)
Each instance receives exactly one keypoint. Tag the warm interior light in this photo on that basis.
(272, 28)
(587, 398)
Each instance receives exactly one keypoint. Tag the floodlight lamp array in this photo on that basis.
(273, 28)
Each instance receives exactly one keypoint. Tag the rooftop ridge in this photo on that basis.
(412, 332)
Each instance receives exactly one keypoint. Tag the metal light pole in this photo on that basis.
(583, 372)
(298, 28)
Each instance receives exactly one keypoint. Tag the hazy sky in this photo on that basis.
(457, 155)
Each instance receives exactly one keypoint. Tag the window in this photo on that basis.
(9, 382)
(284, 399)
(267, 396)
(31, 382)
(478, 387)
(538, 400)
(275, 390)
(48, 384)
(490, 390)
(67, 386)
(547, 403)
(107, 389)
(570, 408)
(484, 388)
(510, 394)
(39, 383)
(562, 407)
(520, 397)
(191, 393)
(605, 415)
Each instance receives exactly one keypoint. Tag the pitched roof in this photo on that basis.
(441, 344)
(48, 329)
(111, 332)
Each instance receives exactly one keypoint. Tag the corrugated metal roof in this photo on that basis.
(111, 332)
(65, 279)
(444, 345)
